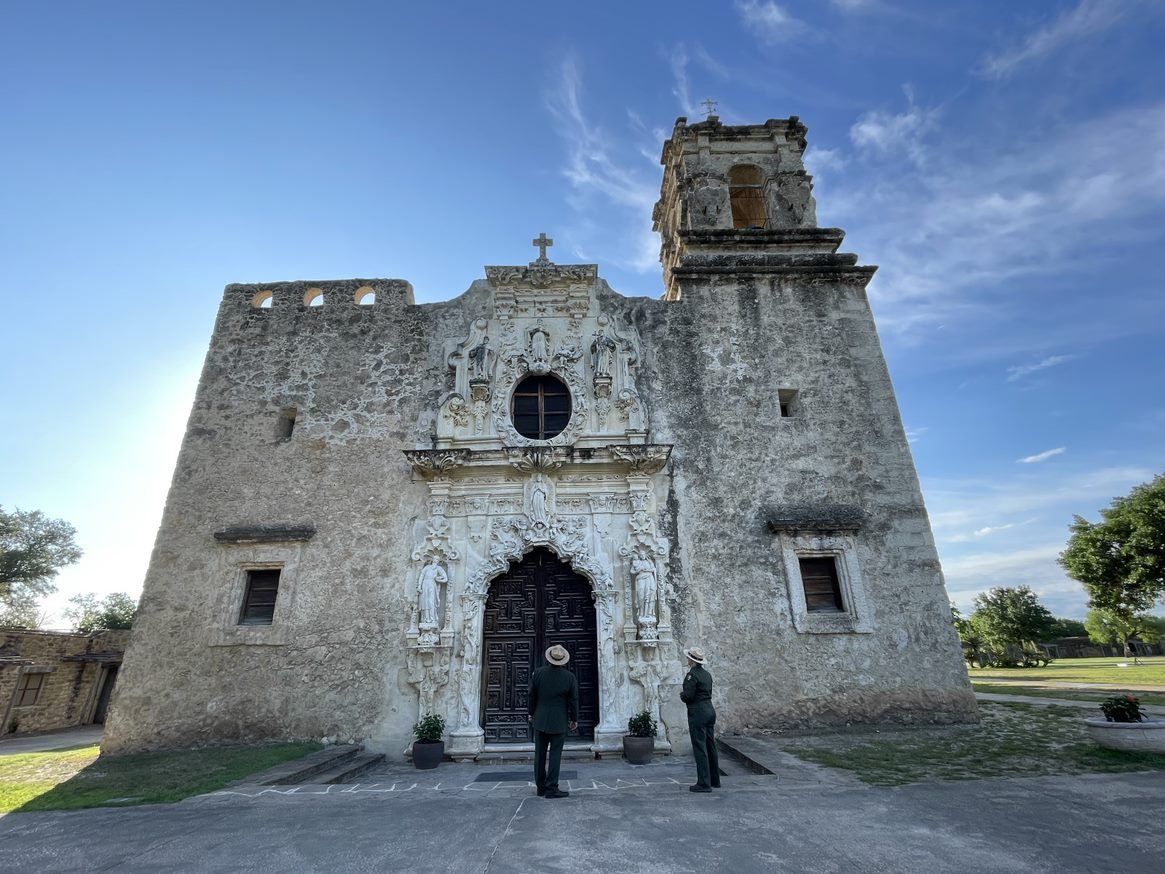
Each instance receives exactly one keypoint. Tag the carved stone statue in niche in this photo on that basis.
(643, 572)
(480, 360)
(539, 506)
(603, 351)
(428, 587)
(539, 350)
(649, 672)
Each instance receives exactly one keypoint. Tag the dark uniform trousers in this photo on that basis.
(547, 777)
(697, 694)
(553, 705)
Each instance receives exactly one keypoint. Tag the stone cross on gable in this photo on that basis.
(710, 107)
(542, 243)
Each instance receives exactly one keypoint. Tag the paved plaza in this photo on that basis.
(619, 818)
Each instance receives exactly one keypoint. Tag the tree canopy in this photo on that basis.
(1121, 560)
(32, 549)
(1010, 617)
(1104, 626)
(88, 613)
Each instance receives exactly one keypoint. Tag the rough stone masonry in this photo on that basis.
(383, 509)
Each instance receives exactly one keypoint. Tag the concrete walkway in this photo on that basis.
(84, 736)
(1155, 710)
(1057, 825)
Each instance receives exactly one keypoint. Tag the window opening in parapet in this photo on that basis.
(821, 584)
(745, 188)
(365, 296)
(314, 297)
(541, 407)
(259, 599)
(286, 424)
(262, 300)
(787, 397)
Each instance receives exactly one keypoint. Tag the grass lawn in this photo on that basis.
(1070, 694)
(76, 778)
(1012, 740)
(1150, 672)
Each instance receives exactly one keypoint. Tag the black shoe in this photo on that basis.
(699, 788)
(557, 793)
(715, 785)
(541, 791)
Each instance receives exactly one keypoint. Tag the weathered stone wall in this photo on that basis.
(359, 378)
(714, 361)
(751, 316)
(70, 686)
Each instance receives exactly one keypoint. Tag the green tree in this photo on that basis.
(113, 611)
(1008, 618)
(22, 611)
(1105, 626)
(1066, 628)
(32, 549)
(1121, 559)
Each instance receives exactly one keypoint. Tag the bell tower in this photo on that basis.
(736, 197)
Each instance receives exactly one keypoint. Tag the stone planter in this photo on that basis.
(638, 750)
(1133, 737)
(427, 756)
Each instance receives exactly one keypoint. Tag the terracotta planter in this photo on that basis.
(1133, 737)
(638, 750)
(428, 756)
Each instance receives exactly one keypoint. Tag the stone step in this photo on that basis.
(746, 753)
(348, 770)
(305, 769)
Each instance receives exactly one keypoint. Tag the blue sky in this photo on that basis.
(1003, 163)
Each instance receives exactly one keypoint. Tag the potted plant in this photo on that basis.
(428, 748)
(1125, 727)
(639, 741)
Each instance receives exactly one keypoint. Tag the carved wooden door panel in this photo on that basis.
(537, 603)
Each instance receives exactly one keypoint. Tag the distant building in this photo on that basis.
(382, 510)
(57, 679)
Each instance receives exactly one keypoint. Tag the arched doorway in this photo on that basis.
(536, 603)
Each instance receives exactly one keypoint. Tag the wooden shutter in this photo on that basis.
(822, 588)
(259, 601)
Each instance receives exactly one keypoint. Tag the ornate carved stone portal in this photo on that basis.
(590, 496)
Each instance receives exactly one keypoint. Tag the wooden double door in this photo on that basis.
(537, 603)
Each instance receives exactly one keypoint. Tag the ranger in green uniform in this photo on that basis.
(553, 708)
(697, 694)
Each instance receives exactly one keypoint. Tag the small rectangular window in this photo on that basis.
(822, 587)
(787, 398)
(286, 424)
(259, 599)
(28, 690)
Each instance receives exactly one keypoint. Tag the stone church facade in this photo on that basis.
(383, 509)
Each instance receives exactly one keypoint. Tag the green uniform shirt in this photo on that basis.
(553, 699)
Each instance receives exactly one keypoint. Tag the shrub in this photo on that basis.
(642, 725)
(1122, 708)
(428, 729)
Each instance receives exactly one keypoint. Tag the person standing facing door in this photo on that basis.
(552, 709)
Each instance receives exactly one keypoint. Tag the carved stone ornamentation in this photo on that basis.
(646, 459)
(435, 462)
(427, 668)
(648, 669)
(537, 458)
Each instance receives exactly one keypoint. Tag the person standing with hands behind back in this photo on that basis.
(553, 707)
(697, 694)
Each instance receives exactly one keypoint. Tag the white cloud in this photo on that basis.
(625, 192)
(1021, 370)
(770, 22)
(912, 434)
(947, 235)
(1085, 20)
(854, 5)
(1042, 456)
(887, 132)
(679, 71)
